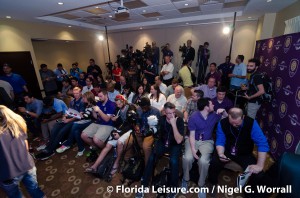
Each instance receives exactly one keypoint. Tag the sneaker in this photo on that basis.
(44, 155)
(80, 153)
(202, 194)
(62, 149)
(139, 195)
(184, 186)
(41, 147)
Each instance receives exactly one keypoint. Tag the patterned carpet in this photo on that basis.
(63, 176)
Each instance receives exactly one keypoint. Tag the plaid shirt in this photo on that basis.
(191, 107)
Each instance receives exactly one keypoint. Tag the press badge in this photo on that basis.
(233, 151)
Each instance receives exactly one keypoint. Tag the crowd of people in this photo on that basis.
(165, 112)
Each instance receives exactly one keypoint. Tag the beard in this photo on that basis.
(250, 71)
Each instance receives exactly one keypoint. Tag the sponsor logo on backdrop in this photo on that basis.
(288, 139)
(293, 67)
(274, 145)
(274, 63)
(264, 112)
(267, 62)
(258, 45)
(282, 65)
(270, 45)
(270, 119)
(287, 90)
(297, 97)
(278, 84)
(278, 45)
(264, 46)
(297, 45)
(294, 120)
(287, 44)
(283, 107)
(274, 103)
(277, 128)
(261, 59)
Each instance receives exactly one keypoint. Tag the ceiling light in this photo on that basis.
(187, 23)
(144, 10)
(101, 37)
(60, 3)
(69, 26)
(226, 30)
(67, 41)
(110, 16)
(157, 18)
(249, 17)
(8, 17)
(269, 1)
(141, 28)
(97, 7)
(186, 4)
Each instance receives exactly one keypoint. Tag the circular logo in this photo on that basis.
(282, 109)
(294, 65)
(270, 119)
(288, 139)
(278, 84)
(287, 42)
(274, 145)
(270, 44)
(258, 45)
(274, 63)
(261, 59)
(298, 95)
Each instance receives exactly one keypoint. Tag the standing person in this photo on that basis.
(201, 125)
(239, 74)
(167, 52)
(167, 71)
(185, 74)
(15, 80)
(150, 71)
(8, 89)
(60, 73)
(189, 53)
(116, 72)
(226, 69)
(203, 56)
(16, 163)
(94, 69)
(49, 80)
(155, 56)
(256, 88)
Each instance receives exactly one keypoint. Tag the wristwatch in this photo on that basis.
(27, 112)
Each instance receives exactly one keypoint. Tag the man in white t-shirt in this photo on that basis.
(8, 89)
(167, 71)
(178, 99)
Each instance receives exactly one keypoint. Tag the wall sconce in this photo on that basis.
(226, 30)
(101, 37)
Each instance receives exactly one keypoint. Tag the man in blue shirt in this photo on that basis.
(236, 136)
(97, 133)
(239, 74)
(15, 80)
(226, 68)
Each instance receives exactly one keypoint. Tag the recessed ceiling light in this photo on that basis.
(69, 26)
(157, 18)
(141, 28)
(186, 4)
(60, 3)
(67, 41)
(269, 1)
(110, 16)
(187, 23)
(96, 7)
(144, 10)
(8, 17)
(249, 17)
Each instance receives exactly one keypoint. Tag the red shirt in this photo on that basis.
(115, 72)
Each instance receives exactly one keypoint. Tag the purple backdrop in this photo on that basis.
(280, 120)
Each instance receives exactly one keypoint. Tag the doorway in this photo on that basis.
(21, 63)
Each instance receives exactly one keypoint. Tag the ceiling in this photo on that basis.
(96, 14)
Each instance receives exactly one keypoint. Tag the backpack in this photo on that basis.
(269, 94)
(103, 170)
(194, 78)
(161, 179)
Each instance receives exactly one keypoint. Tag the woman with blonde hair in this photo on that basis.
(78, 126)
(16, 163)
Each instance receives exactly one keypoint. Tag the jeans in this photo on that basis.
(76, 135)
(58, 132)
(157, 152)
(11, 187)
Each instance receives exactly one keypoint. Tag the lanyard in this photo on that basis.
(236, 137)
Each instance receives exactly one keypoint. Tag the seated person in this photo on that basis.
(87, 118)
(63, 126)
(140, 92)
(31, 113)
(178, 99)
(63, 93)
(171, 88)
(209, 90)
(111, 91)
(157, 99)
(53, 110)
(171, 131)
(236, 136)
(201, 125)
(221, 101)
(117, 139)
(128, 93)
(97, 133)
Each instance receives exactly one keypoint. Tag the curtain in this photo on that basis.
(292, 25)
